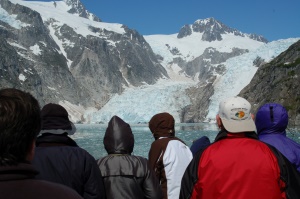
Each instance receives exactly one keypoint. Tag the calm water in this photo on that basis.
(90, 136)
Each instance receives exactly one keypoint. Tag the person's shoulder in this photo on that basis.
(140, 158)
(54, 190)
(295, 144)
(158, 142)
(140, 162)
(79, 152)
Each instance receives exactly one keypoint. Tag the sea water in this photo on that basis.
(90, 136)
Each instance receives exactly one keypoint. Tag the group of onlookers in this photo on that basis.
(251, 157)
(237, 165)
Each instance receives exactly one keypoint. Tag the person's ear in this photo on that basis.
(31, 151)
(219, 121)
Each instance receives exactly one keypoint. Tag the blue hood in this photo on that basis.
(271, 118)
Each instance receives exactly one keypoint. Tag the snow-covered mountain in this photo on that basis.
(76, 60)
(64, 54)
(138, 105)
(278, 81)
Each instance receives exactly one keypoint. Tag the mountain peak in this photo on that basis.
(207, 21)
(213, 30)
(78, 8)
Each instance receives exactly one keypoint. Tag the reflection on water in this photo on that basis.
(90, 136)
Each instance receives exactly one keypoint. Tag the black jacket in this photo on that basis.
(59, 159)
(18, 182)
(126, 176)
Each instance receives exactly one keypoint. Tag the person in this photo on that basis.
(271, 122)
(59, 158)
(125, 175)
(19, 126)
(237, 165)
(199, 144)
(168, 155)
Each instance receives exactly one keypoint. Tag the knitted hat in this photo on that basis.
(162, 125)
(55, 120)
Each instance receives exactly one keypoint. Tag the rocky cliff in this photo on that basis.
(79, 60)
(55, 62)
(278, 81)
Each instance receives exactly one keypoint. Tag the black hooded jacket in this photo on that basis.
(59, 159)
(125, 176)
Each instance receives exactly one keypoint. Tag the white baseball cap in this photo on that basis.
(235, 115)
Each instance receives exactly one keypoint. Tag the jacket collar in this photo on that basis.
(18, 172)
(48, 139)
(225, 134)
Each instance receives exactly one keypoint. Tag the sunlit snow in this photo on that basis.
(138, 105)
(59, 16)
(17, 45)
(59, 12)
(192, 46)
(35, 49)
(240, 71)
(11, 19)
(22, 77)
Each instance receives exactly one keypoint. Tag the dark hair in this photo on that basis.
(20, 124)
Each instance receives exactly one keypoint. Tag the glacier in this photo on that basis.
(233, 81)
(138, 105)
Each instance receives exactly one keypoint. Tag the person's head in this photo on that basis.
(162, 125)
(235, 116)
(55, 120)
(118, 138)
(271, 118)
(20, 124)
(199, 144)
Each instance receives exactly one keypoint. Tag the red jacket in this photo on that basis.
(235, 166)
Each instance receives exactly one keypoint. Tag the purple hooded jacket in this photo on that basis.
(271, 121)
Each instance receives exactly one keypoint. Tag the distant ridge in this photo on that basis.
(212, 30)
(62, 53)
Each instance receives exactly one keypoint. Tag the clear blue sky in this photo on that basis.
(273, 19)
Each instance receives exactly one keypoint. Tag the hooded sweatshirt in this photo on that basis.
(168, 155)
(125, 176)
(271, 123)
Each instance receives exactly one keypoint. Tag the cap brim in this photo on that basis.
(236, 126)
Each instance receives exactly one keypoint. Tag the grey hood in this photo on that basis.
(118, 137)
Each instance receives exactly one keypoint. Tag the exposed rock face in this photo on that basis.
(206, 64)
(38, 58)
(56, 62)
(212, 30)
(68, 66)
(207, 67)
(278, 81)
(199, 96)
(78, 8)
(17, 72)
